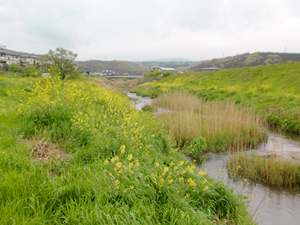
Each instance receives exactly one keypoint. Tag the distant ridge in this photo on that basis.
(247, 59)
(120, 67)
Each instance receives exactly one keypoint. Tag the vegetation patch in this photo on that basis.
(149, 108)
(269, 170)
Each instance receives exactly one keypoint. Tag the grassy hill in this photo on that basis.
(247, 59)
(120, 67)
(271, 90)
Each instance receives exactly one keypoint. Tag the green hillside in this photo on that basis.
(272, 90)
(120, 67)
(247, 59)
(74, 153)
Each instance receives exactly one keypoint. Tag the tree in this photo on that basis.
(14, 68)
(61, 59)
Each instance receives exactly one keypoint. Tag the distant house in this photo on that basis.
(163, 69)
(29, 60)
(208, 69)
(107, 73)
(10, 57)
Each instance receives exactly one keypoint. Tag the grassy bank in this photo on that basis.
(73, 153)
(271, 91)
(207, 126)
(269, 170)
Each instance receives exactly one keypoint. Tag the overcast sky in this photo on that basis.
(139, 30)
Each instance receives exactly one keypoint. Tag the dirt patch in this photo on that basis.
(45, 152)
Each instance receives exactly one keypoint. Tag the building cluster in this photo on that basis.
(10, 57)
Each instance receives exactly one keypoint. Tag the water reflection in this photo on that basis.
(138, 101)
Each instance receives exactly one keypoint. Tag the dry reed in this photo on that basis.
(222, 125)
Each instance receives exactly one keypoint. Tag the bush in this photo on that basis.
(74, 75)
(14, 68)
(149, 108)
(152, 74)
(168, 73)
(31, 71)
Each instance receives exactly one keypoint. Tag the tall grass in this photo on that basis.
(269, 170)
(221, 125)
(120, 170)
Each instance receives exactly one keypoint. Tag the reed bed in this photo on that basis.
(273, 170)
(221, 125)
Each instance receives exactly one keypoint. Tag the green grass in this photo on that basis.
(120, 170)
(271, 91)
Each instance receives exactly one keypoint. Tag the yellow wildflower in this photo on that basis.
(205, 188)
(118, 164)
(122, 148)
(129, 157)
(114, 159)
(191, 182)
(202, 173)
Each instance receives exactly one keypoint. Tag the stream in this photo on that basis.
(268, 205)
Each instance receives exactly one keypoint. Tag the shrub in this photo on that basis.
(153, 74)
(14, 68)
(31, 71)
(74, 75)
(148, 108)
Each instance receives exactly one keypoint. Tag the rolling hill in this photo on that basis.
(120, 67)
(247, 59)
